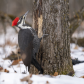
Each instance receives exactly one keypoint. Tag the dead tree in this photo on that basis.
(52, 17)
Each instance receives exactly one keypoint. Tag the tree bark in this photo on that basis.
(53, 17)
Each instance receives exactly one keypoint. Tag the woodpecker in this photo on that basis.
(28, 41)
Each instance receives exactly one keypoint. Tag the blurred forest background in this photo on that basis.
(19, 7)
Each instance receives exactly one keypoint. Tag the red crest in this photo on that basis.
(14, 22)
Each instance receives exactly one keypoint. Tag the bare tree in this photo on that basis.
(53, 17)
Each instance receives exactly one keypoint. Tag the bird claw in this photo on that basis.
(44, 35)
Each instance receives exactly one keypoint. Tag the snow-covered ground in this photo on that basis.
(14, 78)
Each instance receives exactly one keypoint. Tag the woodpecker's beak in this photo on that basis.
(25, 15)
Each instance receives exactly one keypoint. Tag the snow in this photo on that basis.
(14, 78)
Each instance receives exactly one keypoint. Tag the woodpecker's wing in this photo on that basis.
(25, 39)
(36, 42)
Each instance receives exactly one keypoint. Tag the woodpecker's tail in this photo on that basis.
(37, 65)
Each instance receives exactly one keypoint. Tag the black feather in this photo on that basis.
(76, 61)
(25, 41)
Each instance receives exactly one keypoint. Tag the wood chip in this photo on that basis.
(1, 68)
(47, 82)
(15, 62)
(56, 74)
(5, 70)
(81, 77)
(76, 47)
(27, 78)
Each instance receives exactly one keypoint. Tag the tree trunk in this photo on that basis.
(54, 54)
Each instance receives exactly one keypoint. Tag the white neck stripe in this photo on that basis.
(24, 27)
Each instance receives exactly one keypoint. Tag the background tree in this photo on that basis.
(53, 17)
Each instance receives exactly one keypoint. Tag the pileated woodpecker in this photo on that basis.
(28, 42)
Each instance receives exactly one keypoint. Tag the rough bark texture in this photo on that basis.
(54, 55)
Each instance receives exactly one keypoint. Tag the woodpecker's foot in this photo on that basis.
(44, 35)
